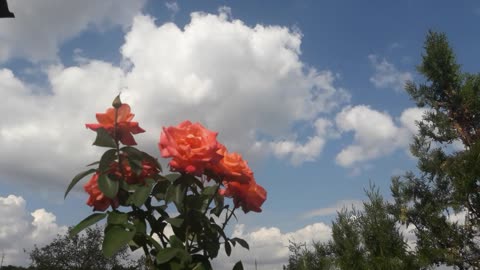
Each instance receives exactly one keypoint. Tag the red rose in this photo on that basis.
(99, 201)
(192, 147)
(250, 196)
(125, 126)
(232, 167)
(149, 170)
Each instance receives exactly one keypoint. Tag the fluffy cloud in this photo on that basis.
(239, 80)
(40, 27)
(387, 75)
(269, 246)
(375, 133)
(310, 150)
(20, 230)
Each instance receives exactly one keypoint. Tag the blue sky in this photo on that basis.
(309, 91)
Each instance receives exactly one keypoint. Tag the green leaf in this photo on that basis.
(175, 193)
(176, 222)
(238, 266)
(141, 194)
(104, 139)
(176, 242)
(140, 155)
(189, 180)
(88, 221)
(228, 248)
(242, 242)
(203, 262)
(107, 158)
(77, 178)
(209, 191)
(166, 254)
(93, 163)
(197, 202)
(136, 165)
(115, 238)
(172, 177)
(160, 189)
(117, 218)
(108, 186)
(133, 152)
(219, 205)
(140, 226)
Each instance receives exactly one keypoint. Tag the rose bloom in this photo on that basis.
(192, 147)
(99, 201)
(232, 167)
(149, 170)
(250, 196)
(125, 126)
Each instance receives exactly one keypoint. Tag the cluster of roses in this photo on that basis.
(194, 150)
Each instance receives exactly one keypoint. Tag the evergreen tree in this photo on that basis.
(80, 252)
(361, 240)
(448, 185)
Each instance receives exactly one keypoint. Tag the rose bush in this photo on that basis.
(130, 182)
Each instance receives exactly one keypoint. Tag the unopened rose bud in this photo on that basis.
(117, 102)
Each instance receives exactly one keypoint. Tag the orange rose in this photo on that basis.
(250, 196)
(99, 201)
(149, 170)
(232, 167)
(192, 147)
(125, 126)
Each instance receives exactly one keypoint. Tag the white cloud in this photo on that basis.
(410, 117)
(387, 75)
(299, 153)
(20, 230)
(241, 81)
(269, 246)
(408, 233)
(41, 26)
(333, 209)
(375, 133)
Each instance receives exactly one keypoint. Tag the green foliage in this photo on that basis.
(108, 186)
(87, 222)
(104, 139)
(77, 178)
(449, 181)
(80, 252)
(361, 240)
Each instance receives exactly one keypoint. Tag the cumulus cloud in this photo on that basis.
(375, 133)
(387, 75)
(40, 27)
(299, 153)
(269, 246)
(243, 81)
(20, 230)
